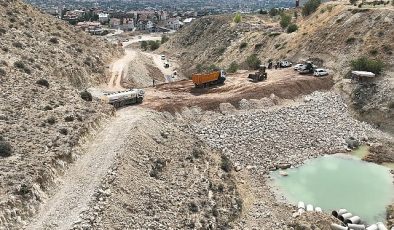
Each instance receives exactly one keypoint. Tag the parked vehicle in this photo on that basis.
(260, 75)
(122, 98)
(285, 64)
(307, 68)
(320, 72)
(205, 80)
(298, 66)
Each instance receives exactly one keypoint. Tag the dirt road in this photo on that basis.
(85, 175)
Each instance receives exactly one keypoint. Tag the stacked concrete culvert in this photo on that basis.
(350, 222)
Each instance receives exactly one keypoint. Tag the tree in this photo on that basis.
(285, 20)
(310, 7)
(353, 2)
(273, 12)
(253, 61)
(144, 45)
(154, 45)
(292, 28)
(237, 18)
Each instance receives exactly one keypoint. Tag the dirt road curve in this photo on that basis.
(85, 175)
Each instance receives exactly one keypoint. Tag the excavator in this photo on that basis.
(260, 75)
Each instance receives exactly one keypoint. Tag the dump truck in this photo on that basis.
(123, 98)
(205, 80)
(260, 75)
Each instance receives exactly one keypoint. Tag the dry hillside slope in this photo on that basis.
(44, 63)
(333, 36)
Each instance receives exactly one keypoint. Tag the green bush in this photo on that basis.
(233, 67)
(353, 2)
(153, 45)
(253, 61)
(243, 45)
(54, 40)
(237, 18)
(144, 45)
(292, 28)
(5, 148)
(85, 95)
(365, 64)
(226, 164)
(164, 39)
(350, 40)
(285, 20)
(310, 6)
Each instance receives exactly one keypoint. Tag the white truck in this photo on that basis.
(123, 98)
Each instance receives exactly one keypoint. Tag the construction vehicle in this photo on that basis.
(307, 68)
(260, 75)
(205, 80)
(122, 98)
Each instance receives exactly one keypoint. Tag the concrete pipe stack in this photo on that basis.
(308, 208)
(351, 222)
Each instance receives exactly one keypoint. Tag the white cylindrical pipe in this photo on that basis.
(381, 226)
(356, 226)
(309, 208)
(373, 227)
(338, 227)
(339, 212)
(345, 216)
(318, 209)
(353, 220)
(301, 205)
(301, 210)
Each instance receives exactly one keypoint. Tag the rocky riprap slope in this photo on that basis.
(165, 179)
(44, 63)
(267, 139)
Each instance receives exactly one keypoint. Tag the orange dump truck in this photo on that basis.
(213, 78)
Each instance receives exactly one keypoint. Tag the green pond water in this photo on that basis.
(340, 181)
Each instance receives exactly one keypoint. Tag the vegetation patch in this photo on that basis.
(292, 28)
(233, 67)
(43, 82)
(253, 61)
(5, 148)
(310, 6)
(350, 40)
(366, 64)
(243, 45)
(86, 96)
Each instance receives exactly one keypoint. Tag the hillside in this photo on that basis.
(44, 64)
(333, 36)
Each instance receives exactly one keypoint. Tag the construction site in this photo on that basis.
(294, 137)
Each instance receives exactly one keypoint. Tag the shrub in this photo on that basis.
(277, 46)
(47, 107)
(5, 149)
(63, 131)
(164, 39)
(310, 6)
(285, 20)
(87, 96)
(43, 82)
(292, 28)
(237, 18)
(353, 2)
(154, 45)
(2, 31)
(144, 45)
(243, 45)
(253, 61)
(365, 64)
(373, 52)
(51, 120)
(69, 119)
(258, 46)
(193, 207)
(17, 45)
(2, 72)
(20, 65)
(233, 67)
(350, 40)
(226, 164)
(54, 40)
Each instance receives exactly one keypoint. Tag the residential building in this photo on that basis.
(103, 18)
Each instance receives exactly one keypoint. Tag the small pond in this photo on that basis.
(340, 181)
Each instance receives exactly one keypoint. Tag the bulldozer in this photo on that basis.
(260, 75)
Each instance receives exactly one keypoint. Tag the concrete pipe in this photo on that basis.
(381, 226)
(339, 212)
(356, 226)
(338, 227)
(309, 208)
(318, 209)
(345, 216)
(353, 220)
(373, 227)
(301, 210)
(301, 205)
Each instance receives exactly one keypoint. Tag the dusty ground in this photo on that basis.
(284, 83)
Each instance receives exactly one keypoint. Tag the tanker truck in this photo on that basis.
(207, 79)
(122, 98)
